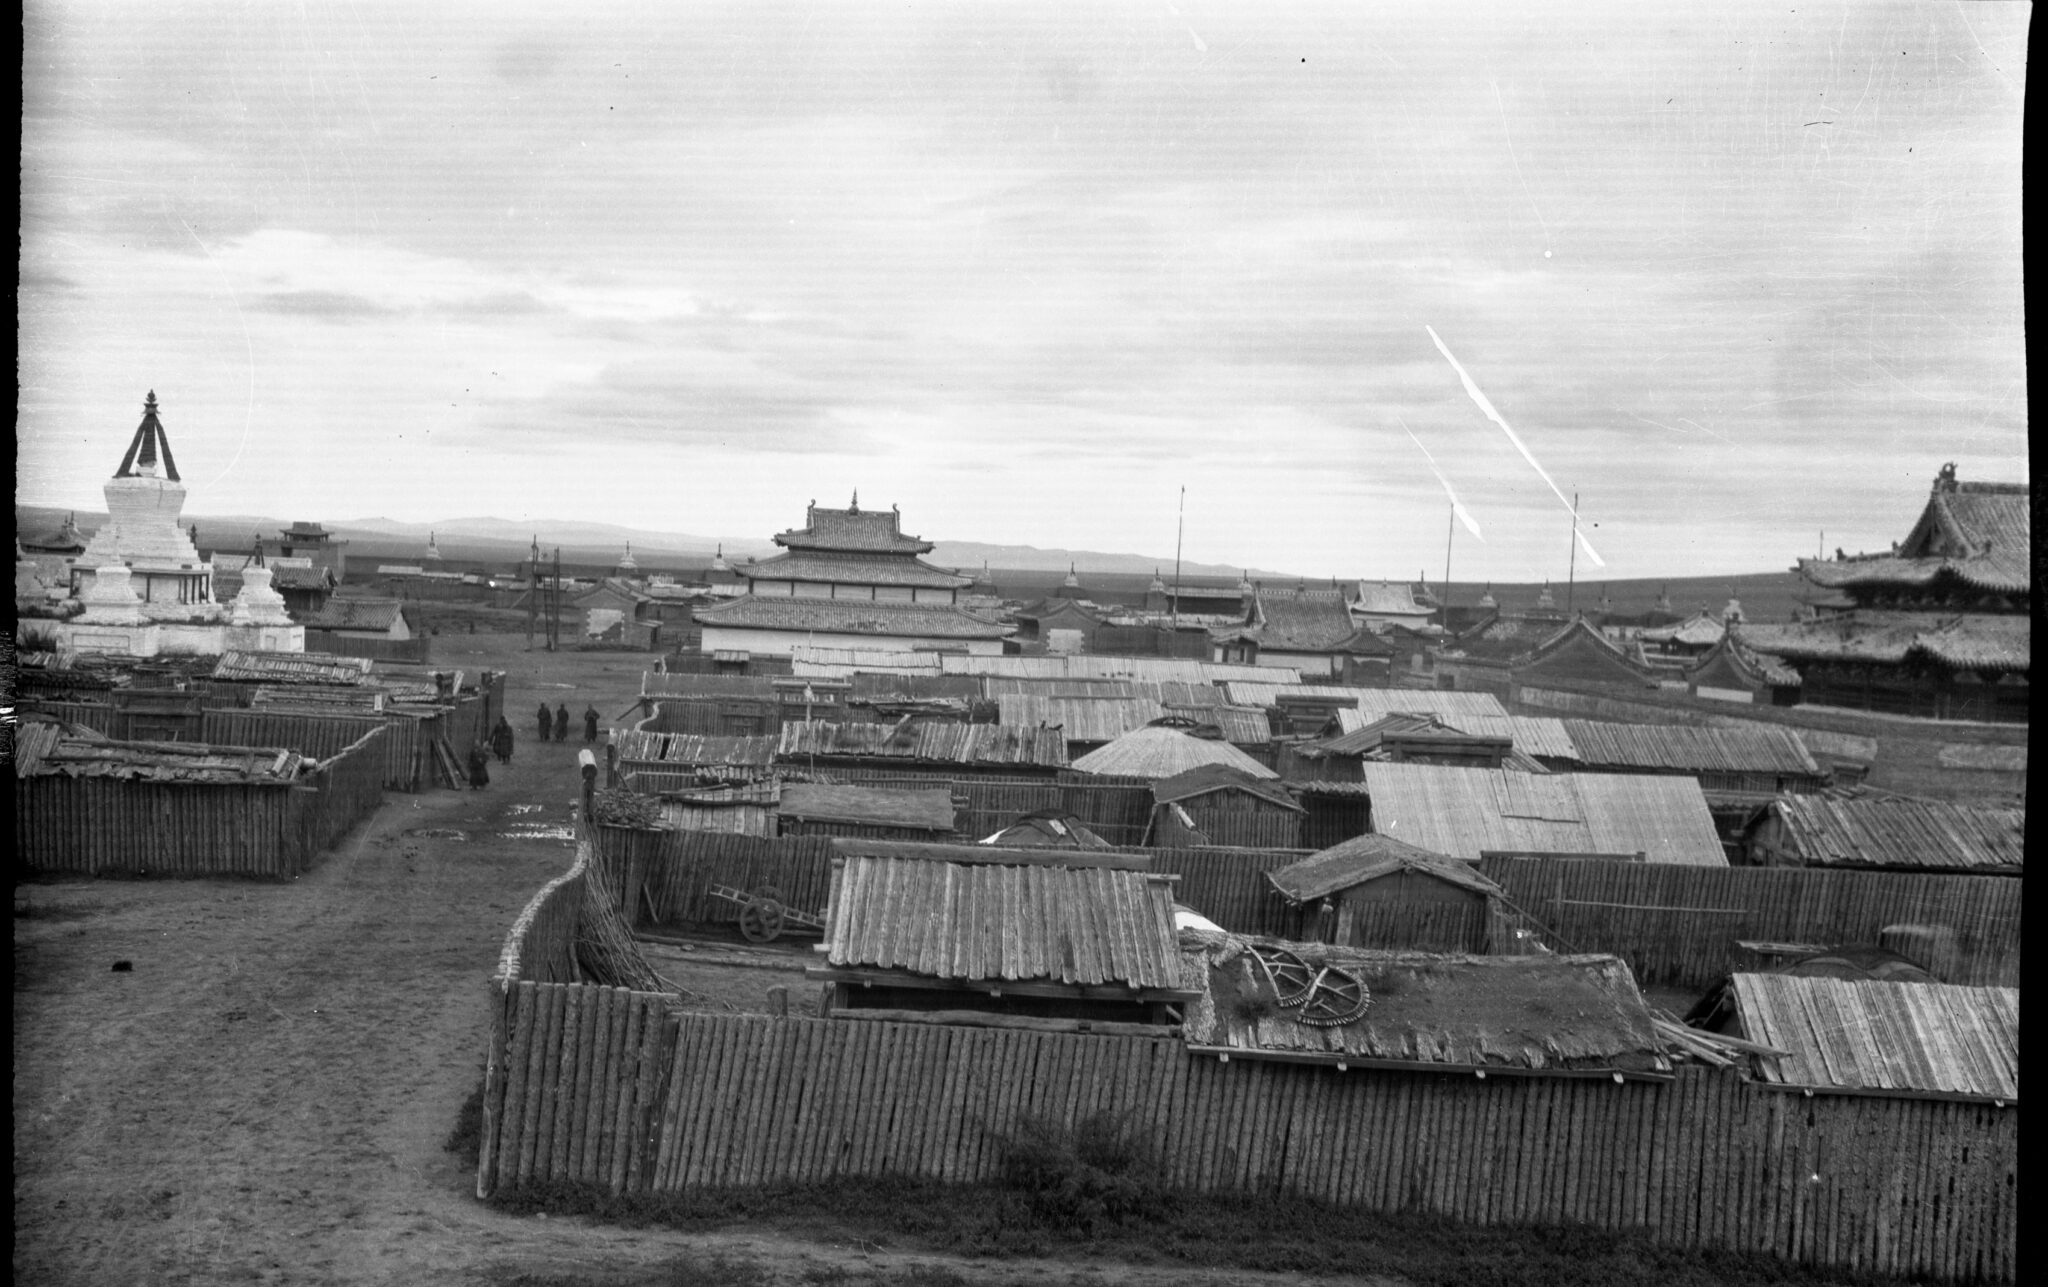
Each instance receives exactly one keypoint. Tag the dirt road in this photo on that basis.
(263, 1096)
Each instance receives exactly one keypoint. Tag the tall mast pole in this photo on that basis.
(555, 606)
(1450, 532)
(532, 589)
(1572, 572)
(1179, 530)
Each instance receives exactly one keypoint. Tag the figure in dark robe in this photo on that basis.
(501, 740)
(562, 722)
(547, 721)
(590, 723)
(479, 767)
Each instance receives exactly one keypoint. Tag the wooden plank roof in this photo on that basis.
(1081, 926)
(1854, 1035)
(637, 747)
(1363, 859)
(980, 744)
(1527, 1014)
(1081, 719)
(1372, 702)
(1750, 747)
(292, 668)
(1464, 811)
(1091, 666)
(1208, 779)
(1837, 830)
(923, 810)
(1163, 752)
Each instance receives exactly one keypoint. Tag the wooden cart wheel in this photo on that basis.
(1336, 998)
(761, 919)
(1291, 977)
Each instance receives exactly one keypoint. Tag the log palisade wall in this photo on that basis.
(321, 736)
(1675, 926)
(95, 826)
(618, 1089)
(1679, 925)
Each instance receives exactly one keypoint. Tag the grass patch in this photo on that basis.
(1244, 1231)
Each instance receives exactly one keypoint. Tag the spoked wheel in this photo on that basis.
(1291, 977)
(761, 919)
(1336, 998)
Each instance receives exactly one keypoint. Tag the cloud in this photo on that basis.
(325, 305)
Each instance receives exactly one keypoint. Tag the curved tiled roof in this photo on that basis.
(808, 566)
(852, 528)
(1968, 640)
(1977, 533)
(851, 616)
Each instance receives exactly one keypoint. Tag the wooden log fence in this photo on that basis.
(611, 1088)
(1679, 925)
(96, 826)
(320, 736)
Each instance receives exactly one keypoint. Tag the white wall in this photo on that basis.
(780, 643)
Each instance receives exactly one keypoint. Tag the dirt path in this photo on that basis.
(263, 1096)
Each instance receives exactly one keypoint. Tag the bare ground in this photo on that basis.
(264, 1095)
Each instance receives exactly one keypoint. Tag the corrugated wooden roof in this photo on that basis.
(189, 763)
(999, 686)
(1239, 725)
(692, 748)
(930, 741)
(1746, 748)
(1081, 719)
(1527, 1013)
(871, 806)
(1088, 666)
(1839, 1034)
(654, 683)
(1829, 830)
(292, 668)
(1462, 811)
(1163, 752)
(988, 922)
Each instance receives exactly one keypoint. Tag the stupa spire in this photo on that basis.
(149, 441)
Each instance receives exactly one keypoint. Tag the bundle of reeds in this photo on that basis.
(604, 946)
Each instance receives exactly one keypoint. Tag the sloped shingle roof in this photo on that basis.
(1843, 1035)
(1361, 859)
(925, 810)
(1750, 748)
(1463, 811)
(1163, 752)
(1207, 779)
(1833, 830)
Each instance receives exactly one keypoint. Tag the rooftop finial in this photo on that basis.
(855, 507)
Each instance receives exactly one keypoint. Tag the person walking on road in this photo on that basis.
(562, 722)
(547, 721)
(479, 767)
(501, 740)
(590, 723)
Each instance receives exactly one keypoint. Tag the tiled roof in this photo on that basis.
(1833, 830)
(1207, 779)
(1752, 669)
(354, 614)
(925, 810)
(1839, 1035)
(1367, 858)
(1971, 640)
(930, 741)
(1698, 630)
(1463, 811)
(852, 529)
(1387, 599)
(1305, 623)
(297, 578)
(1086, 926)
(1749, 748)
(1163, 752)
(851, 617)
(807, 566)
(1978, 533)
(1526, 1013)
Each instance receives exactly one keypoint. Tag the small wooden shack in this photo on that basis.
(1216, 804)
(886, 813)
(1379, 892)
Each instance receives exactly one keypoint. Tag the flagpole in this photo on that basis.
(1572, 572)
(1179, 530)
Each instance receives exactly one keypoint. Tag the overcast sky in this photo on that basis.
(1737, 274)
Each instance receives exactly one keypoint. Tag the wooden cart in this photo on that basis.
(764, 917)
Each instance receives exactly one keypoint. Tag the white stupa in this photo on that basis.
(144, 499)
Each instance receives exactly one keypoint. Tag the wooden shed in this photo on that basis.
(1378, 892)
(820, 809)
(1215, 804)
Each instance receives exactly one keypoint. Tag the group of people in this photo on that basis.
(558, 720)
(499, 741)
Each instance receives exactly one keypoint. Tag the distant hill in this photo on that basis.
(1031, 571)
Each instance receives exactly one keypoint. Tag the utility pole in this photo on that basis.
(1572, 572)
(555, 606)
(1450, 532)
(532, 588)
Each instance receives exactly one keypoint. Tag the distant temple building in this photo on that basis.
(848, 578)
(310, 542)
(1940, 624)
